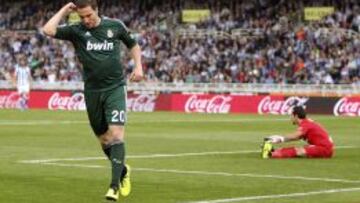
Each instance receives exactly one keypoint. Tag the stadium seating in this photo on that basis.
(265, 41)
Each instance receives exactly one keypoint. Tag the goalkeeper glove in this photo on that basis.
(275, 138)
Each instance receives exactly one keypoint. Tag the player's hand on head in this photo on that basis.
(69, 7)
(137, 75)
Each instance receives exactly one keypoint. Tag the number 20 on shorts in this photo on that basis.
(118, 116)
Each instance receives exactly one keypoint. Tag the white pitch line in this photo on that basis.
(191, 154)
(41, 161)
(40, 122)
(207, 173)
(75, 165)
(346, 147)
(145, 156)
(152, 156)
(249, 175)
(300, 194)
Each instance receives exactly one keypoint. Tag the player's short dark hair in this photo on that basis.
(85, 3)
(299, 111)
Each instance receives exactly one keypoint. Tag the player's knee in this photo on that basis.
(117, 133)
(300, 151)
(330, 153)
(104, 139)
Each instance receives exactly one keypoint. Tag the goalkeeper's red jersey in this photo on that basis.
(315, 134)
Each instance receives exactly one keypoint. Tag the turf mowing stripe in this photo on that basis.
(207, 173)
(277, 196)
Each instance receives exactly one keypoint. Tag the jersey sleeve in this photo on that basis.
(125, 37)
(304, 129)
(64, 32)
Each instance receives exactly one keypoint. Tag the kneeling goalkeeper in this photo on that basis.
(320, 144)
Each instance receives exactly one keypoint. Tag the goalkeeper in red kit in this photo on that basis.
(319, 142)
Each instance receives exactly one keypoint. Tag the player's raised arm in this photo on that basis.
(50, 27)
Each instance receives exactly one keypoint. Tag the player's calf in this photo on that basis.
(282, 153)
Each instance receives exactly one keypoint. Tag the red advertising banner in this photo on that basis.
(8, 99)
(212, 103)
(347, 106)
(201, 103)
(194, 103)
(141, 102)
(280, 105)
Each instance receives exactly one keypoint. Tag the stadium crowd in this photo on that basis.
(280, 47)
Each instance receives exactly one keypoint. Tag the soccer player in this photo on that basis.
(320, 144)
(22, 80)
(97, 44)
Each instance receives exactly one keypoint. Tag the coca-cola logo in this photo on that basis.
(10, 101)
(141, 103)
(216, 104)
(74, 102)
(346, 107)
(280, 107)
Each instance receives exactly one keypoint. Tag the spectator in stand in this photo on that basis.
(281, 49)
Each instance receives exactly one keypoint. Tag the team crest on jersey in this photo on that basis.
(87, 34)
(110, 33)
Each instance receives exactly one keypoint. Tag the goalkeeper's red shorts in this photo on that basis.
(313, 151)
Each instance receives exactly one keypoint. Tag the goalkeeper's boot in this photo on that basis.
(267, 148)
(125, 184)
(112, 194)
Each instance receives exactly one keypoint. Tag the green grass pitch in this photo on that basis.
(52, 156)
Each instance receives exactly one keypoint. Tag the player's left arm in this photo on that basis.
(297, 135)
(294, 136)
(135, 50)
(137, 74)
